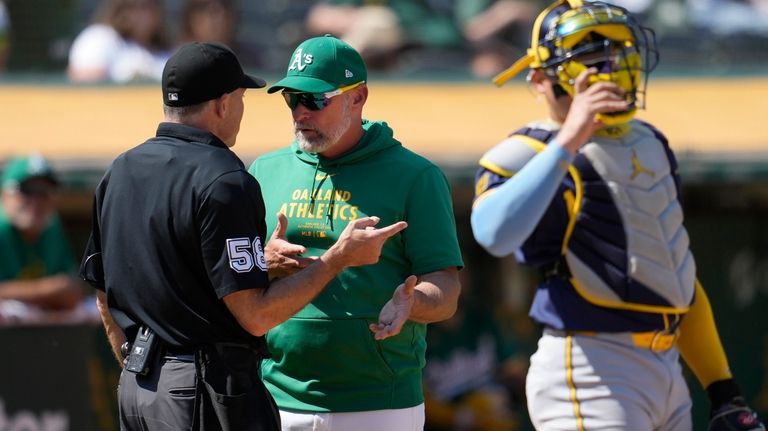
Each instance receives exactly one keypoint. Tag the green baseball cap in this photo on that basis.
(22, 168)
(322, 64)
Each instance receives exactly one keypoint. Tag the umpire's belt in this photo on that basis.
(655, 341)
(184, 354)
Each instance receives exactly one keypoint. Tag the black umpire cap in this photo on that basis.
(202, 71)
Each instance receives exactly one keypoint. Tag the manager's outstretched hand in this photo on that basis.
(360, 243)
(396, 311)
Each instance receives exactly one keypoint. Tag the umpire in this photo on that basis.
(176, 256)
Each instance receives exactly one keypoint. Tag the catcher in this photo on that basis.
(590, 197)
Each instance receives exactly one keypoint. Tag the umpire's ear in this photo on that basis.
(221, 105)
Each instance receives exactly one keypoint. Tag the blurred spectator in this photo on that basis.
(431, 31)
(729, 17)
(383, 31)
(37, 269)
(374, 30)
(637, 7)
(497, 31)
(215, 21)
(208, 21)
(5, 36)
(126, 42)
(474, 377)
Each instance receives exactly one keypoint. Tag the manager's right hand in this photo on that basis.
(360, 243)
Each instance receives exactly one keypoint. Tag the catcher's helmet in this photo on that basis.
(570, 36)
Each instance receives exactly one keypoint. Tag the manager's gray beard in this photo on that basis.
(321, 142)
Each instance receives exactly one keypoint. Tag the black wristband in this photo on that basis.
(723, 391)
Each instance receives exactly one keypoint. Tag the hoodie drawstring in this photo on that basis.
(331, 204)
(313, 194)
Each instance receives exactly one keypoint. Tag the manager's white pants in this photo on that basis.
(410, 419)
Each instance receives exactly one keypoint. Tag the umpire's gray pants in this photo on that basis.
(165, 399)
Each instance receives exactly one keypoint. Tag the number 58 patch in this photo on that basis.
(244, 254)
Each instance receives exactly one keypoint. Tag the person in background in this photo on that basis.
(208, 21)
(216, 21)
(126, 42)
(495, 30)
(427, 34)
(374, 30)
(729, 18)
(38, 270)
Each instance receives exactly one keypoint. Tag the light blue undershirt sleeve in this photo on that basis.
(503, 220)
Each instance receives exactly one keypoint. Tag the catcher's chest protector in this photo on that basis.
(626, 246)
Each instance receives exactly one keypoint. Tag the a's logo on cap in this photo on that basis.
(173, 97)
(348, 74)
(300, 61)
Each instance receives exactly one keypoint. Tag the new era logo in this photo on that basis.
(37, 164)
(173, 97)
(348, 74)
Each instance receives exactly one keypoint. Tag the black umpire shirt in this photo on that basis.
(179, 224)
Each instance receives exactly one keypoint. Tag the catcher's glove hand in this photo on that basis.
(734, 416)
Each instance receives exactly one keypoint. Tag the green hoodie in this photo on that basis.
(325, 358)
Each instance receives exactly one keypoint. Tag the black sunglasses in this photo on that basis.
(314, 101)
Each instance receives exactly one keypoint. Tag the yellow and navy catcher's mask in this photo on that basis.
(570, 36)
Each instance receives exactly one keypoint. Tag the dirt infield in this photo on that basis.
(456, 121)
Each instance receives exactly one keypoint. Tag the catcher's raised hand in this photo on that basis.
(588, 101)
(396, 311)
(283, 257)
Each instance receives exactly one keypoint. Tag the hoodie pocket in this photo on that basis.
(339, 352)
